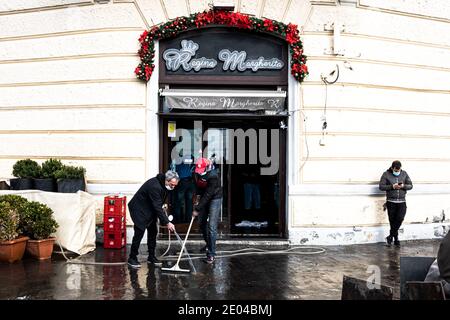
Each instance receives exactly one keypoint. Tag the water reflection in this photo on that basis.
(114, 277)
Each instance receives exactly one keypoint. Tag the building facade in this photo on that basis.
(377, 91)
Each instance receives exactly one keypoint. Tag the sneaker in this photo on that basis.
(397, 243)
(154, 260)
(133, 262)
(389, 240)
(210, 260)
(203, 249)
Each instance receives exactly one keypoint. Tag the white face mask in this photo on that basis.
(169, 187)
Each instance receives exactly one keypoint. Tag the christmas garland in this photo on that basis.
(231, 19)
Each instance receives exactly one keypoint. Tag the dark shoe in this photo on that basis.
(133, 262)
(389, 240)
(154, 260)
(210, 260)
(203, 249)
(397, 243)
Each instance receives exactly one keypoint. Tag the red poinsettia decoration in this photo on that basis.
(204, 19)
(232, 19)
(143, 36)
(268, 24)
(241, 21)
(223, 17)
(292, 34)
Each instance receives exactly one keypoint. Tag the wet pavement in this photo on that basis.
(274, 276)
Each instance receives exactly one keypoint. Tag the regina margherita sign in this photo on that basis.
(218, 55)
(231, 60)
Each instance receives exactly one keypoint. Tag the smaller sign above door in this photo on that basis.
(224, 103)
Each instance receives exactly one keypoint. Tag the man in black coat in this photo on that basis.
(146, 207)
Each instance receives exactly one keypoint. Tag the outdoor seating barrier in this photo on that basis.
(357, 289)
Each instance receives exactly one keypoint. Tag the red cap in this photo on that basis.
(201, 165)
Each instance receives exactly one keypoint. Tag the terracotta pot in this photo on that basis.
(11, 251)
(41, 249)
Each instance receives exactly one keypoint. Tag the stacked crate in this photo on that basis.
(115, 222)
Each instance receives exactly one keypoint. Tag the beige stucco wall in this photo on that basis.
(67, 90)
(392, 105)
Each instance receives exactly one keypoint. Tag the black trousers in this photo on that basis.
(396, 213)
(152, 232)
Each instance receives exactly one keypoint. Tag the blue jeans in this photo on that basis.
(252, 194)
(183, 199)
(209, 220)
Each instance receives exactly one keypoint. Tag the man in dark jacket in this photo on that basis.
(443, 259)
(440, 268)
(395, 182)
(209, 188)
(146, 207)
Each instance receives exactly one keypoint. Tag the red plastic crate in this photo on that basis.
(114, 240)
(115, 205)
(113, 223)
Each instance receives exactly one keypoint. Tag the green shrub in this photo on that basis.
(50, 167)
(9, 222)
(26, 169)
(38, 220)
(70, 172)
(18, 203)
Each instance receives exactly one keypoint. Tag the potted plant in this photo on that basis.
(70, 179)
(24, 171)
(47, 180)
(39, 226)
(12, 246)
(19, 204)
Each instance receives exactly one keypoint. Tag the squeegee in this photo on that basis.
(176, 267)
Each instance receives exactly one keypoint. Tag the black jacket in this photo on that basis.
(443, 258)
(388, 179)
(146, 204)
(212, 191)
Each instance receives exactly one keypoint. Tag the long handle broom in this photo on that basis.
(176, 267)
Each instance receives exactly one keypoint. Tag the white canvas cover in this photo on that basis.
(75, 214)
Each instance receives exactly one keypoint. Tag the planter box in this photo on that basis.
(71, 185)
(45, 185)
(40, 249)
(21, 184)
(11, 251)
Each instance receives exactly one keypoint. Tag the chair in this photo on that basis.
(357, 289)
(413, 269)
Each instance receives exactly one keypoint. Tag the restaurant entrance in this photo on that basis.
(249, 157)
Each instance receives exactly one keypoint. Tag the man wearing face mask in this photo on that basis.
(146, 207)
(209, 188)
(396, 183)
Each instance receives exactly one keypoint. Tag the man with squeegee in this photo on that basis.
(145, 208)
